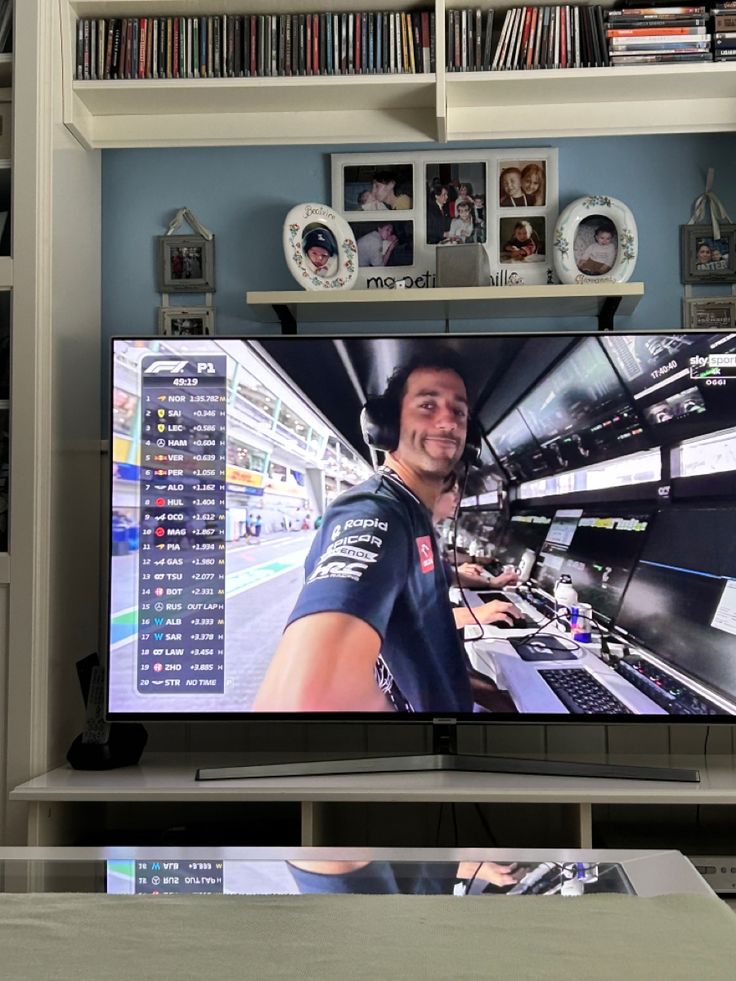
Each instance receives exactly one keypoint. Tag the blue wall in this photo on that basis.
(243, 194)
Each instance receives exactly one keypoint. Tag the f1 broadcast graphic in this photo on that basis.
(221, 471)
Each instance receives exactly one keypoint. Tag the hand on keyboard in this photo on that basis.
(500, 613)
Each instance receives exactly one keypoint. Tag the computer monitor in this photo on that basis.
(679, 382)
(681, 600)
(525, 529)
(597, 548)
(228, 455)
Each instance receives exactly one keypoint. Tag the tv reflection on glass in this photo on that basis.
(252, 501)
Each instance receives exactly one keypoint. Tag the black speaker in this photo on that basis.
(380, 428)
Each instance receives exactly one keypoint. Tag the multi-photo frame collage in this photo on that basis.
(402, 207)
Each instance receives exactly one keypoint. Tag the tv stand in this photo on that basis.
(444, 756)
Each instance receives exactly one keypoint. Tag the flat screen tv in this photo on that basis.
(228, 455)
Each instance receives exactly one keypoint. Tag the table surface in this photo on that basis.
(170, 777)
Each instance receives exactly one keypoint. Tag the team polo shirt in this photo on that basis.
(375, 557)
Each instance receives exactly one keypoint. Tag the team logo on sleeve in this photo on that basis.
(426, 557)
(348, 556)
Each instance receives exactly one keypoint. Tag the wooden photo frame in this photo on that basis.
(186, 264)
(706, 258)
(709, 313)
(186, 321)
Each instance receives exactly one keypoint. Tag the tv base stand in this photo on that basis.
(444, 756)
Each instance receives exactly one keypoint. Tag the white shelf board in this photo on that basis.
(466, 303)
(6, 272)
(211, 111)
(592, 101)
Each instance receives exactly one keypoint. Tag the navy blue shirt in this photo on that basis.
(375, 557)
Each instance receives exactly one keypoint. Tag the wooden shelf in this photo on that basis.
(466, 303)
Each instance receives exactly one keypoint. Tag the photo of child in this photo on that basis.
(462, 228)
(455, 202)
(522, 183)
(387, 188)
(388, 243)
(320, 248)
(522, 240)
(711, 253)
(595, 246)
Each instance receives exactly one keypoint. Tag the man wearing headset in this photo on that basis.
(372, 629)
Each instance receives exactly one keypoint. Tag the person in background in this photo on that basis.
(321, 252)
(600, 254)
(512, 196)
(469, 574)
(383, 189)
(375, 248)
(438, 218)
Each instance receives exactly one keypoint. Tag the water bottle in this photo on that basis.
(526, 564)
(565, 598)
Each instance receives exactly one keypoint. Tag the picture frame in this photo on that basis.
(595, 241)
(706, 258)
(186, 321)
(372, 190)
(320, 248)
(709, 313)
(186, 264)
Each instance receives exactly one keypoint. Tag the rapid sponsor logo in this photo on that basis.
(355, 523)
(426, 558)
(351, 547)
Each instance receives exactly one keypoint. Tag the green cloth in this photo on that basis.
(350, 938)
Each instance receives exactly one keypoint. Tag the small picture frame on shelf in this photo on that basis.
(709, 313)
(186, 264)
(595, 241)
(186, 321)
(705, 257)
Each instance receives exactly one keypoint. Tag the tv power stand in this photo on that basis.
(444, 756)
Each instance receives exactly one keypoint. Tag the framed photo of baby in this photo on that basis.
(708, 256)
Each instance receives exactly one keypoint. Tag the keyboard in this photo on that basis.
(663, 688)
(581, 693)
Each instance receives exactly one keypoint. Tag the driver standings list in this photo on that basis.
(181, 630)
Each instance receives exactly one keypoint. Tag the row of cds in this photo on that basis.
(386, 42)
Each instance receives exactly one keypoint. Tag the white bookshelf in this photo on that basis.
(382, 109)
(464, 303)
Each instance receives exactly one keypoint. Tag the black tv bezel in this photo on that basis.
(361, 718)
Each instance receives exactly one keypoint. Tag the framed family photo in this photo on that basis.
(709, 313)
(707, 257)
(186, 264)
(403, 207)
(186, 321)
(595, 240)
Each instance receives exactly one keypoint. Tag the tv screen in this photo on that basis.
(250, 506)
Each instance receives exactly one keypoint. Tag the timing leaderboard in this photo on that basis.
(181, 631)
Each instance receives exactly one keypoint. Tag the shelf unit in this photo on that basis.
(293, 307)
(169, 778)
(417, 109)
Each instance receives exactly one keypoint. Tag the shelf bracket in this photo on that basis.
(607, 312)
(286, 318)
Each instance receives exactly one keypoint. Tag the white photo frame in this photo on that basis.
(590, 232)
(412, 261)
(320, 248)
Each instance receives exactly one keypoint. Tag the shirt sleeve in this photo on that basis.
(359, 564)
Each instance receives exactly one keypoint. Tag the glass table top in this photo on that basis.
(303, 871)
